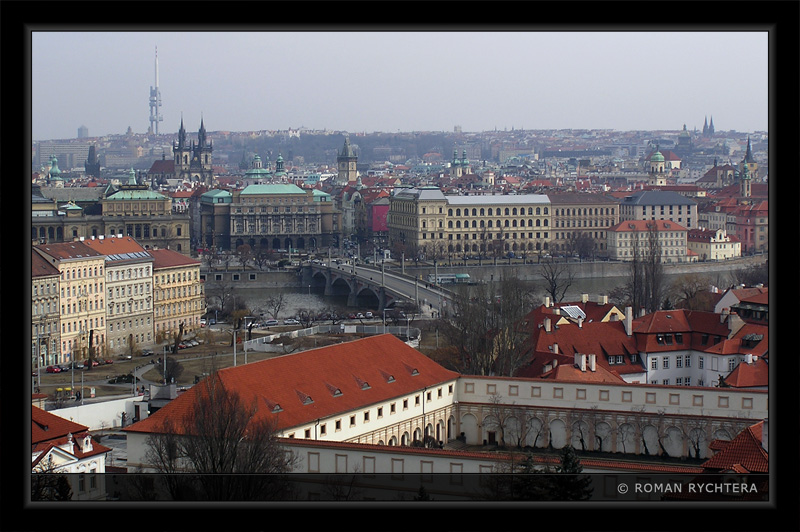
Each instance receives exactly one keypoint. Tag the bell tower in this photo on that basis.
(346, 163)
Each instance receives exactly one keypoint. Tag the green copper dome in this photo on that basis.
(657, 157)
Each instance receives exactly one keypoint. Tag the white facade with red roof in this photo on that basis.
(62, 446)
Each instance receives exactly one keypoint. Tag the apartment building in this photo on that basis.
(178, 294)
(82, 316)
(45, 330)
(638, 238)
(574, 215)
(129, 293)
(659, 205)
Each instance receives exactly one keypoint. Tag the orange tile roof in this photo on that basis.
(366, 371)
(68, 250)
(114, 245)
(744, 451)
(167, 258)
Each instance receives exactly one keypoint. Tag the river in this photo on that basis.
(297, 298)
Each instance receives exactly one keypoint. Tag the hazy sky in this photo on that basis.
(398, 81)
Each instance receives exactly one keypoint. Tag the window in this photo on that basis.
(366, 416)
(308, 434)
(416, 400)
(323, 429)
(405, 404)
(338, 424)
(392, 408)
(654, 363)
(665, 362)
(687, 361)
(380, 412)
(700, 362)
(352, 421)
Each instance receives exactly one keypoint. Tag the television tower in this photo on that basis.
(155, 103)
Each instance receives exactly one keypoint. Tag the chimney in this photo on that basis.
(592, 362)
(580, 361)
(734, 323)
(748, 358)
(547, 301)
(547, 324)
(580, 323)
(584, 298)
(628, 321)
(555, 348)
(602, 300)
(724, 315)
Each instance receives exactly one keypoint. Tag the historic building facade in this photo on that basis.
(129, 293)
(45, 329)
(576, 215)
(82, 313)
(424, 220)
(272, 216)
(637, 238)
(128, 209)
(179, 294)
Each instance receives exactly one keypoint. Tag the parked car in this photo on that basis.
(53, 369)
(368, 315)
(79, 365)
(109, 361)
(359, 316)
(270, 323)
(147, 352)
(291, 321)
(64, 367)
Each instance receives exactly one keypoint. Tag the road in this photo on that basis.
(431, 300)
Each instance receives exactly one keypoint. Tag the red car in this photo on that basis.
(109, 361)
(53, 369)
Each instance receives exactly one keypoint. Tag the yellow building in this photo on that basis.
(179, 295)
(82, 320)
(634, 238)
(426, 221)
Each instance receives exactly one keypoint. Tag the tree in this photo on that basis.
(244, 253)
(558, 277)
(485, 325)
(570, 484)
(275, 304)
(228, 443)
(690, 291)
(752, 275)
(170, 370)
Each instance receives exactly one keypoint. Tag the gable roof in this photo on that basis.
(167, 258)
(303, 386)
(744, 453)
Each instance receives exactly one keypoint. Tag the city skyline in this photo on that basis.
(398, 81)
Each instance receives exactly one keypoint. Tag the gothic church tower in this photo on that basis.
(346, 162)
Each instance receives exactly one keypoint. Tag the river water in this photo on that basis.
(297, 298)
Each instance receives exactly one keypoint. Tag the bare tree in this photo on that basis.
(558, 277)
(229, 443)
(275, 304)
(690, 291)
(244, 253)
(484, 325)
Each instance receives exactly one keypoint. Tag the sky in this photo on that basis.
(398, 81)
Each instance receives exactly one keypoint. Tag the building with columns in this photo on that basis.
(379, 394)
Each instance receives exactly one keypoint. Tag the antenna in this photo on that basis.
(155, 102)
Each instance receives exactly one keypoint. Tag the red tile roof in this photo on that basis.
(68, 250)
(744, 452)
(40, 267)
(167, 258)
(366, 371)
(114, 245)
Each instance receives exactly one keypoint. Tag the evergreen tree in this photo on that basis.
(570, 484)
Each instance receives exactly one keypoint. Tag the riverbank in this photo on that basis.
(485, 271)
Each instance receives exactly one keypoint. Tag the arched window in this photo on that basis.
(514, 211)
(506, 211)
